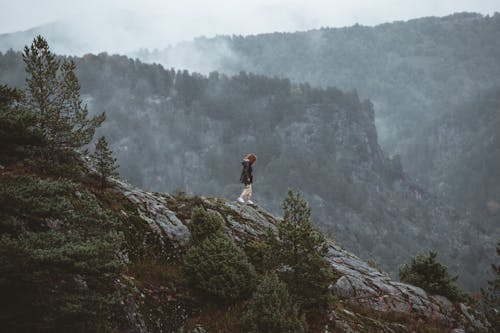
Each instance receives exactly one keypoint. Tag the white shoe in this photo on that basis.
(240, 200)
(250, 202)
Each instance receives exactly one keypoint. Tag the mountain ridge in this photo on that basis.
(414, 72)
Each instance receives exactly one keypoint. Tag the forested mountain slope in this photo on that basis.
(414, 72)
(464, 158)
(176, 130)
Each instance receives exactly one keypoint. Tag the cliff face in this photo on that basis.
(414, 71)
(368, 300)
(466, 155)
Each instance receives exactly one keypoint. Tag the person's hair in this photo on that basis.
(251, 157)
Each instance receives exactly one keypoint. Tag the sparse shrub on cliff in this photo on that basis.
(271, 310)
(425, 272)
(213, 262)
(373, 264)
(103, 161)
(204, 224)
(301, 249)
(261, 253)
(17, 124)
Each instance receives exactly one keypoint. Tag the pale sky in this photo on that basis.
(184, 19)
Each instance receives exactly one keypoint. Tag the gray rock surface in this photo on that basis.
(356, 282)
(152, 209)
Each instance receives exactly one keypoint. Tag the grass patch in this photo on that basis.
(214, 318)
(158, 273)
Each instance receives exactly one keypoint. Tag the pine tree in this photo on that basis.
(262, 253)
(491, 296)
(17, 123)
(213, 262)
(427, 273)
(271, 310)
(203, 224)
(53, 94)
(59, 262)
(302, 249)
(103, 161)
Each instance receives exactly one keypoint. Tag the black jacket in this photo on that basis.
(246, 174)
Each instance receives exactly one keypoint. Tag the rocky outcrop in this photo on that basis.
(368, 300)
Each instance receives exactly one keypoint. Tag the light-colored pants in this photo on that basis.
(247, 192)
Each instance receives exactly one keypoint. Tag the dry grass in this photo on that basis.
(219, 319)
(157, 273)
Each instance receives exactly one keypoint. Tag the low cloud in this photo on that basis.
(118, 26)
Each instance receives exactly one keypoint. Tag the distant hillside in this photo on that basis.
(119, 31)
(414, 72)
(464, 163)
(179, 130)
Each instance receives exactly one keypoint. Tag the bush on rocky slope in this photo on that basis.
(300, 249)
(271, 309)
(213, 262)
(425, 272)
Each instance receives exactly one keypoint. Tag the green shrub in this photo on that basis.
(180, 194)
(103, 161)
(270, 309)
(213, 262)
(18, 134)
(425, 272)
(203, 224)
(58, 257)
(374, 265)
(261, 253)
(301, 250)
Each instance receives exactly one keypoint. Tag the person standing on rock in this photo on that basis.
(247, 179)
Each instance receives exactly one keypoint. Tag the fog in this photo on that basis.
(126, 25)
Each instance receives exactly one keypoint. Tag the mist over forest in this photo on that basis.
(391, 132)
(430, 67)
(434, 83)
